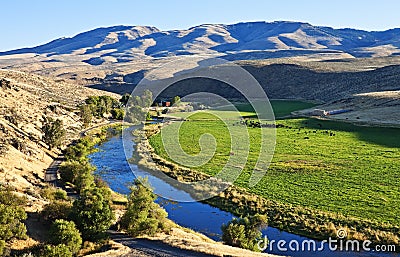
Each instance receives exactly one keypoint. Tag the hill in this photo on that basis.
(291, 60)
(123, 43)
(24, 100)
(121, 54)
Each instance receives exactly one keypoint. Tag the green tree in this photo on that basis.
(84, 180)
(65, 232)
(86, 114)
(80, 150)
(12, 216)
(125, 99)
(92, 212)
(56, 210)
(71, 170)
(143, 216)
(54, 132)
(147, 98)
(244, 232)
(175, 100)
(135, 114)
(118, 113)
(101, 105)
(148, 116)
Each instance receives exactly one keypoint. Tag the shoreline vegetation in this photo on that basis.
(297, 219)
(174, 235)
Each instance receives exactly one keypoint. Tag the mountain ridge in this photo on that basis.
(218, 39)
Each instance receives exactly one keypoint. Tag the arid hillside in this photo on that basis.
(25, 100)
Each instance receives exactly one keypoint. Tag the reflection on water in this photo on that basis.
(113, 168)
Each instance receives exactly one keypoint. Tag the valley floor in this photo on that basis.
(327, 166)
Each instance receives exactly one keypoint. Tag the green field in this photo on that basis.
(325, 165)
(281, 108)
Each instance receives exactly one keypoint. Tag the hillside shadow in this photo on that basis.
(36, 227)
(389, 137)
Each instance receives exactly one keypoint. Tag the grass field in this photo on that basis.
(281, 108)
(325, 165)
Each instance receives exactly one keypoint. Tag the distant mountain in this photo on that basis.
(249, 40)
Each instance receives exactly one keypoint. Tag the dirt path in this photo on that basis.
(151, 248)
(52, 171)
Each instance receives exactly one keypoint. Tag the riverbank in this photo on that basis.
(294, 219)
(178, 238)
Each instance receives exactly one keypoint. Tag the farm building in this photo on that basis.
(164, 103)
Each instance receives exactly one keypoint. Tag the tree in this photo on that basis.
(244, 232)
(12, 216)
(101, 105)
(143, 216)
(80, 150)
(84, 180)
(147, 98)
(65, 232)
(92, 212)
(118, 113)
(56, 210)
(71, 170)
(175, 100)
(148, 116)
(54, 132)
(125, 99)
(86, 114)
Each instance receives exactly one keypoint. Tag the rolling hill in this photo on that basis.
(235, 41)
(291, 60)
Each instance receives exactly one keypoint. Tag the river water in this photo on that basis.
(113, 168)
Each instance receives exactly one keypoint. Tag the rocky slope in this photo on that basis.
(24, 100)
(24, 158)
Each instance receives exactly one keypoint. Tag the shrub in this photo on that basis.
(64, 232)
(80, 150)
(54, 132)
(56, 210)
(244, 232)
(56, 251)
(175, 100)
(75, 171)
(92, 212)
(12, 216)
(3, 248)
(60, 194)
(52, 193)
(124, 99)
(118, 113)
(143, 216)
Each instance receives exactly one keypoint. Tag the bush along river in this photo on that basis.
(113, 168)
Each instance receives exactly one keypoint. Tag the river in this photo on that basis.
(113, 168)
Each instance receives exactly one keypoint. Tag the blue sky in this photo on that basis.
(31, 22)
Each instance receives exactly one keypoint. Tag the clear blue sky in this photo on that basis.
(31, 22)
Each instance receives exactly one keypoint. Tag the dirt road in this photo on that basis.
(151, 248)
